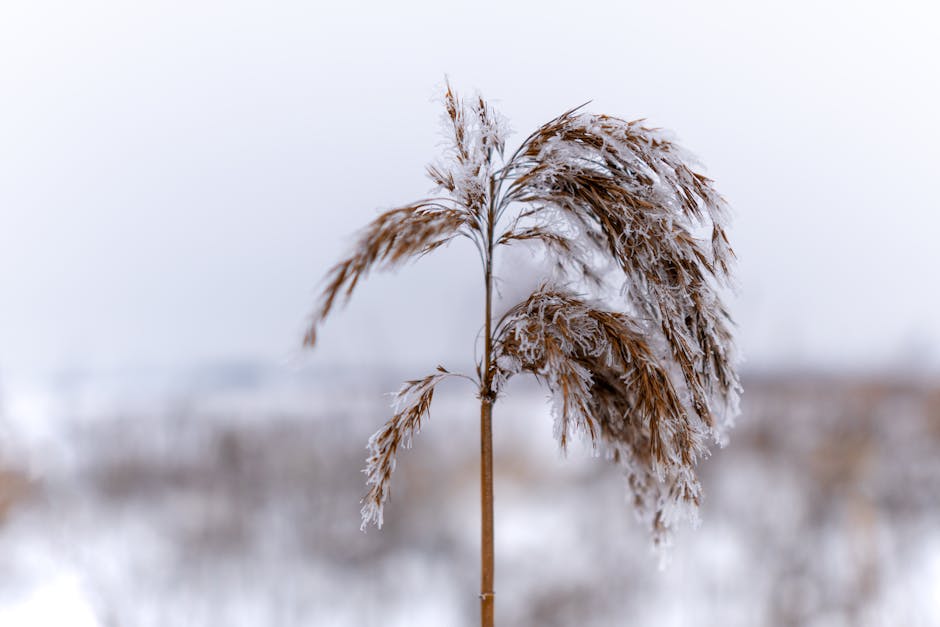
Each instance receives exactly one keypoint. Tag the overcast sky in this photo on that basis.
(175, 177)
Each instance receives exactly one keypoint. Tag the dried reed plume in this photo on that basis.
(629, 333)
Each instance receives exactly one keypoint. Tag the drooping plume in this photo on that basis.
(412, 405)
(609, 384)
(619, 192)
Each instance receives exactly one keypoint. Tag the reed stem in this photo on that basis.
(487, 600)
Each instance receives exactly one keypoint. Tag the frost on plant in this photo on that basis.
(628, 331)
(412, 404)
(609, 384)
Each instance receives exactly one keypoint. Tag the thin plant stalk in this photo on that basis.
(487, 560)
(487, 569)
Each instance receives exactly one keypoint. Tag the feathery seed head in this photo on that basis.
(642, 364)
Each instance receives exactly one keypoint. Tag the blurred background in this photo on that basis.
(176, 177)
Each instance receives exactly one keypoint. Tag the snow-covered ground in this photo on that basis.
(232, 499)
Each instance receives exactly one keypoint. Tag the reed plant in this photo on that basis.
(627, 330)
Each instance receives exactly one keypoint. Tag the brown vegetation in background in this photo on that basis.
(14, 487)
(824, 509)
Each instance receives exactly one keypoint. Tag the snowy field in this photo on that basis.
(233, 500)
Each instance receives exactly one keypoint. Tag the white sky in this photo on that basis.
(175, 177)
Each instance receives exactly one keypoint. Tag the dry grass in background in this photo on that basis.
(823, 512)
